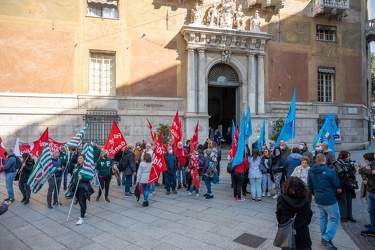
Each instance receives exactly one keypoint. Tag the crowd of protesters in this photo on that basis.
(296, 177)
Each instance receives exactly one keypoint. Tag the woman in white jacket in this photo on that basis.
(142, 177)
(255, 175)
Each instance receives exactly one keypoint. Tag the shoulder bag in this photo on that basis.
(286, 235)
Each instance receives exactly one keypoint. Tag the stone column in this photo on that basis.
(190, 82)
(202, 86)
(251, 76)
(260, 92)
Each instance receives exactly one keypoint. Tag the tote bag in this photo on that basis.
(286, 235)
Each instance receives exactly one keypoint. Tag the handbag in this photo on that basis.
(229, 167)
(286, 235)
(351, 183)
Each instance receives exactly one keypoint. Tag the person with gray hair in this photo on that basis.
(10, 170)
(328, 154)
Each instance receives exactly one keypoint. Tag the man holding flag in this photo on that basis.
(10, 169)
(55, 181)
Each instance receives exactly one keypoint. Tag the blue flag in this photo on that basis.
(248, 125)
(289, 130)
(241, 144)
(326, 133)
(233, 129)
(262, 136)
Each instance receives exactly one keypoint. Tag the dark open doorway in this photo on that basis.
(222, 109)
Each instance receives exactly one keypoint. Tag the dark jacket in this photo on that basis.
(349, 173)
(366, 173)
(174, 165)
(287, 207)
(57, 164)
(323, 182)
(3, 208)
(330, 158)
(127, 163)
(26, 170)
(278, 164)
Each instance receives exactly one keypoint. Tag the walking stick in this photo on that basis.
(72, 200)
(57, 191)
(100, 186)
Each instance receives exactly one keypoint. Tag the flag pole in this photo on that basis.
(70, 209)
(100, 186)
(57, 191)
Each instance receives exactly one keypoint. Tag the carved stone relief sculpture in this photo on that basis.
(196, 15)
(239, 18)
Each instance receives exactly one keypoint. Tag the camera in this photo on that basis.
(340, 167)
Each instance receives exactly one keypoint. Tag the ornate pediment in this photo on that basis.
(203, 37)
(331, 8)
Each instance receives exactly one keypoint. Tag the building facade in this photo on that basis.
(68, 63)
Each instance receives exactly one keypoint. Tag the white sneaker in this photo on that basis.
(263, 194)
(151, 194)
(80, 221)
(189, 193)
(85, 214)
(275, 196)
(197, 195)
(268, 194)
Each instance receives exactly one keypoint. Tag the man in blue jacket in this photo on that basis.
(10, 169)
(322, 182)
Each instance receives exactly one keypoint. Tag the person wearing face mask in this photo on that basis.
(318, 150)
(171, 161)
(278, 166)
(284, 149)
(182, 155)
(305, 151)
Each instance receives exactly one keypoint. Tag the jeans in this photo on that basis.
(181, 171)
(104, 184)
(256, 187)
(170, 180)
(128, 181)
(207, 181)
(9, 177)
(152, 188)
(371, 209)
(238, 179)
(266, 183)
(65, 175)
(53, 189)
(277, 178)
(25, 189)
(191, 189)
(328, 229)
(146, 191)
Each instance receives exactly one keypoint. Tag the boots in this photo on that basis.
(98, 197)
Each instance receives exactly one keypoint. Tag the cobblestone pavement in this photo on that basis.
(175, 221)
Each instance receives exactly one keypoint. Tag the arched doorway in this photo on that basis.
(222, 84)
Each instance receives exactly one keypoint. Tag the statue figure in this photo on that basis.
(212, 15)
(226, 14)
(256, 22)
(196, 15)
(239, 18)
(225, 56)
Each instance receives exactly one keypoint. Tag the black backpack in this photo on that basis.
(18, 162)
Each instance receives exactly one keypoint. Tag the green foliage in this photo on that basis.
(276, 130)
(165, 129)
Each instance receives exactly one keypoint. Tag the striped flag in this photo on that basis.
(88, 167)
(42, 171)
(76, 140)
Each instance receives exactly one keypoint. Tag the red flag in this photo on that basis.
(152, 133)
(2, 156)
(39, 144)
(233, 151)
(194, 139)
(194, 172)
(55, 145)
(158, 164)
(115, 141)
(176, 130)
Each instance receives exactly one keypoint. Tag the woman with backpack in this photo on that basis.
(255, 175)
